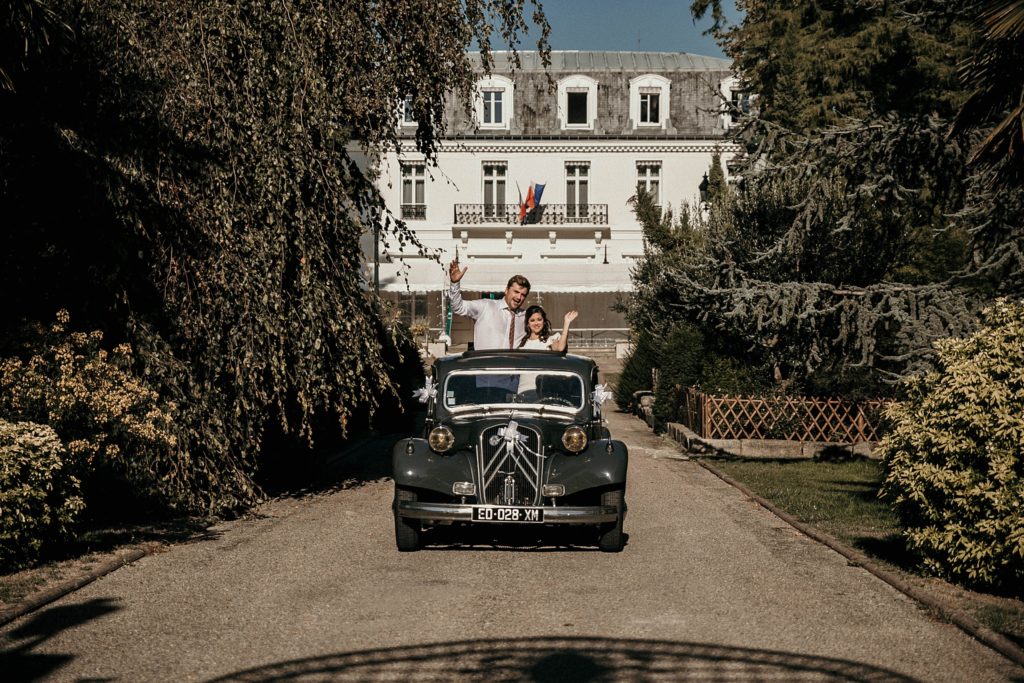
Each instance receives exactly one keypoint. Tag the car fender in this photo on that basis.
(414, 464)
(602, 463)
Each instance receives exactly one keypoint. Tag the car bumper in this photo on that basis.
(451, 512)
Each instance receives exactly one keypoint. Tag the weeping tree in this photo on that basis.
(182, 176)
(858, 232)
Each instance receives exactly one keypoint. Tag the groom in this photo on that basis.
(498, 324)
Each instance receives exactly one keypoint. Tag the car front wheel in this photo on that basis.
(407, 531)
(612, 539)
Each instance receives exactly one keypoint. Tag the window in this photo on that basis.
(577, 102)
(412, 307)
(648, 179)
(741, 101)
(736, 102)
(650, 98)
(577, 175)
(492, 106)
(577, 106)
(494, 188)
(414, 205)
(494, 102)
(649, 101)
(407, 117)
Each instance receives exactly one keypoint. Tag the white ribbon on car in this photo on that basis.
(428, 391)
(515, 443)
(600, 394)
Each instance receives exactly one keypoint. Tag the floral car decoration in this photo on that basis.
(511, 438)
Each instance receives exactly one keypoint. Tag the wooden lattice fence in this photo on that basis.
(786, 417)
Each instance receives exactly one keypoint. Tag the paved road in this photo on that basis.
(709, 587)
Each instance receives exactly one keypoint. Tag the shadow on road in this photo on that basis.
(19, 663)
(550, 539)
(567, 660)
(364, 460)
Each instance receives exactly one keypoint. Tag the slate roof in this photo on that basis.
(585, 60)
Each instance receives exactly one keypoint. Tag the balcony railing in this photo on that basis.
(414, 211)
(545, 214)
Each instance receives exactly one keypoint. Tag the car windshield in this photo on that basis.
(500, 387)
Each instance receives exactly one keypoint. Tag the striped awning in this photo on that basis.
(491, 275)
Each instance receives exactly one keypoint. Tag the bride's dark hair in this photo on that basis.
(545, 331)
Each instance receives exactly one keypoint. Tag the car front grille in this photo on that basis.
(510, 476)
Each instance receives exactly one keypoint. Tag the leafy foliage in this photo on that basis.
(182, 176)
(636, 371)
(855, 234)
(996, 70)
(681, 354)
(106, 418)
(953, 461)
(39, 499)
(726, 375)
(869, 59)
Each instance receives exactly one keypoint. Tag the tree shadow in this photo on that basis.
(572, 660)
(361, 460)
(107, 535)
(891, 548)
(20, 663)
(523, 538)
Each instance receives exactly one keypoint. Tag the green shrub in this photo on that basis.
(636, 371)
(39, 498)
(953, 461)
(680, 356)
(728, 376)
(110, 423)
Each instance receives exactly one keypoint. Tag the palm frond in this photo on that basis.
(1004, 20)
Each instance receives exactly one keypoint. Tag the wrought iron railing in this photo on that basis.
(545, 214)
(414, 211)
(598, 337)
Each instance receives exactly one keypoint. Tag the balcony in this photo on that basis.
(545, 214)
(416, 212)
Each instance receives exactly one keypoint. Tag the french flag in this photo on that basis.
(533, 195)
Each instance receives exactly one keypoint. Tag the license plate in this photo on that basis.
(510, 515)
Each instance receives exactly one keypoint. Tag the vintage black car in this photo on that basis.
(512, 438)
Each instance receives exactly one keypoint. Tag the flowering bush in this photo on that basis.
(105, 416)
(953, 460)
(39, 498)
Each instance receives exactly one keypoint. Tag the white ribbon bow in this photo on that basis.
(600, 394)
(428, 391)
(515, 443)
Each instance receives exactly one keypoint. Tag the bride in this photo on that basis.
(538, 329)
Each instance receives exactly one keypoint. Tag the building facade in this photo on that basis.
(584, 135)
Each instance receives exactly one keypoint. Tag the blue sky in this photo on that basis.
(648, 25)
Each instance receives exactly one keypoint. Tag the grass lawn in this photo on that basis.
(841, 499)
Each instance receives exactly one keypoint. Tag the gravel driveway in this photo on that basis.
(709, 587)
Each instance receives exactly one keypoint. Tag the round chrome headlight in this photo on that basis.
(440, 439)
(574, 439)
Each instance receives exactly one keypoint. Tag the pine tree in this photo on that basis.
(848, 242)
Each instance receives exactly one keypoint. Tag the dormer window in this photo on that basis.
(494, 102)
(407, 117)
(735, 102)
(648, 101)
(577, 102)
(492, 106)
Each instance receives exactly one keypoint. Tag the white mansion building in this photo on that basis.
(612, 122)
